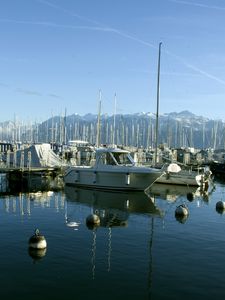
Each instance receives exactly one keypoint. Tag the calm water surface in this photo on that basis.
(139, 251)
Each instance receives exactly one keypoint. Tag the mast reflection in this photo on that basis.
(112, 207)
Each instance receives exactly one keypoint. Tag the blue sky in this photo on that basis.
(58, 54)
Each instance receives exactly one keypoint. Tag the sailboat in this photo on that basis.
(173, 172)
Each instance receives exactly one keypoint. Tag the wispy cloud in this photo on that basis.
(4, 84)
(178, 74)
(36, 93)
(55, 96)
(28, 92)
(198, 4)
(20, 60)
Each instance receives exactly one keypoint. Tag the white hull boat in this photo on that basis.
(114, 169)
(175, 175)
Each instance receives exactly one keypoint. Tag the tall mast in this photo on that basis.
(98, 123)
(64, 129)
(157, 109)
(114, 120)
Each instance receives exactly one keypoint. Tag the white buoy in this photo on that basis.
(37, 241)
(181, 210)
(220, 205)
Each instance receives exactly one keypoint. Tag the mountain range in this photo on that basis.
(183, 129)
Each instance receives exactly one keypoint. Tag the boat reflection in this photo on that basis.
(171, 192)
(113, 208)
(33, 184)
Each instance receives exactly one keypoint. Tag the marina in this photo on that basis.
(138, 247)
(112, 150)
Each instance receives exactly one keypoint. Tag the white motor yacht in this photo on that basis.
(113, 169)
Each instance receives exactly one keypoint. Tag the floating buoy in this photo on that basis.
(181, 219)
(37, 241)
(37, 254)
(220, 206)
(181, 210)
(181, 213)
(92, 221)
(190, 197)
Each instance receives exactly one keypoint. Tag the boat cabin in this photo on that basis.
(114, 157)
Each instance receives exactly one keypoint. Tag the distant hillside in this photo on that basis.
(175, 129)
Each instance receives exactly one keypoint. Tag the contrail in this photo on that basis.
(93, 28)
(104, 28)
(197, 4)
(68, 12)
(50, 24)
(194, 68)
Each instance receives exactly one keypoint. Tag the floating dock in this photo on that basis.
(18, 174)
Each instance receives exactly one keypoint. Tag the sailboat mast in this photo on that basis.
(98, 122)
(114, 120)
(157, 108)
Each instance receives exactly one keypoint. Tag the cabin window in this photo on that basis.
(123, 158)
(106, 159)
(102, 159)
(109, 158)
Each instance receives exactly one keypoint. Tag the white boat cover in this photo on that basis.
(175, 168)
(37, 155)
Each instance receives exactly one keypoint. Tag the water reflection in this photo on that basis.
(107, 254)
(22, 203)
(179, 195)
(172, 192)
(33, 184)
(37, 254)
(113, 208)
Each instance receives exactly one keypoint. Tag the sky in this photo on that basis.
(64, 56)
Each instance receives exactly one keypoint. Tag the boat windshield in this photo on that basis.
(115, 158)
(122, 158)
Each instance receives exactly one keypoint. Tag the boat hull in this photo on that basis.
(115, 178)
(182, 178)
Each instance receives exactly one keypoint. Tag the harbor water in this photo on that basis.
(140, 249)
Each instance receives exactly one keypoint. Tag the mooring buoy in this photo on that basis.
(220, 206)
(37, 241)
(181, 213)
(190, 197)
(92, 221)
(37, 254)
(181, 210)
(181, 219)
